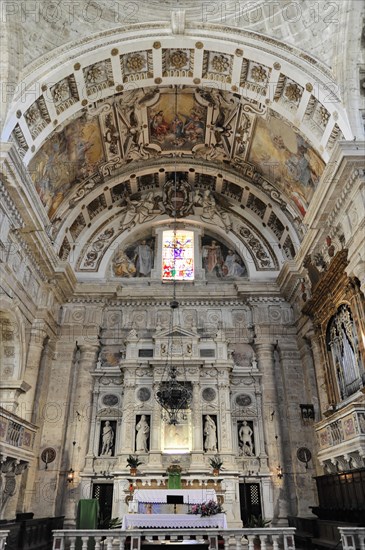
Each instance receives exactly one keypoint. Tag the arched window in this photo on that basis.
(342, 343)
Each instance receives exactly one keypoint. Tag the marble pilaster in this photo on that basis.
(45, 495)
(197, 460)
(38, 336)
(319, 369)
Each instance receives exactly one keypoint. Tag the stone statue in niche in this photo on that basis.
(143, 431)
(245, 438)
(210, 434)
(107, 439)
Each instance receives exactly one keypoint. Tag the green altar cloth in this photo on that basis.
(87, 518)
(174, 481)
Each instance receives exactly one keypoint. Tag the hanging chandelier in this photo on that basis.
(173, 396)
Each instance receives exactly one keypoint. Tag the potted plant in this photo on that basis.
(257, 522)
(216, 463)
(133, 462)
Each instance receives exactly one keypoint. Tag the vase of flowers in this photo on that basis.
(209, 508)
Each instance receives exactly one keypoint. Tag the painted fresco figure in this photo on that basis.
(137, 212)
(159, 126)
(212, 213)
(143, 259)
(123, 266)
(213, 259)
(231, 267)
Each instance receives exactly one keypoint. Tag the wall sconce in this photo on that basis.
(70, 475)
(279, 472)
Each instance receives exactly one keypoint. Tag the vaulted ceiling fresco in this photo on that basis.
(230, 131)
(151, 123)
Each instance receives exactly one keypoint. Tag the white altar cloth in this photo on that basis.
(191, 496)
(173, 521)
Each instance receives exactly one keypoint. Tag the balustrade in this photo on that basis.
(3, 537)
(352, 538)
(116, 539)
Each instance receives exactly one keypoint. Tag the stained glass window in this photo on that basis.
(178, 256)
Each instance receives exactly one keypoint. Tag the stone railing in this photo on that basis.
(341, 438)
(16, 432)
(237, 539)
(3, 537)
(160, 482)
(352, 538)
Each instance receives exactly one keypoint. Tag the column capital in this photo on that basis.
(88, 347)
(263, 346)
(38, 332)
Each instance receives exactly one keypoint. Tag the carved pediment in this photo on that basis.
(176, 332)
(109, 412)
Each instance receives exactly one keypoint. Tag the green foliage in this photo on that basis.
(257, 521)
(133, 461)
(216, 462)
(115, 523)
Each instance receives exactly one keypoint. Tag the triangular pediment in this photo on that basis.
(175, 332)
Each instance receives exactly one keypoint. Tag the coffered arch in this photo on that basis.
(243, 117)
(295, 85)
(256, 214)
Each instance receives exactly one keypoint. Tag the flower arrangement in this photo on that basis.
(209, 508)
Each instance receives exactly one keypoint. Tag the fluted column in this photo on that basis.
(82, 406)
(264, 352)
(225, 419)
(79, 420)
(93, 443)
(39, 418)
(46, 493)
(197, 455)
(155, 431)
(293, 433)
(128, 425)
(38, 335)
(319, 370)
(197, 419)
(272, 420)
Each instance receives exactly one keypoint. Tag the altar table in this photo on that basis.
(173, 521)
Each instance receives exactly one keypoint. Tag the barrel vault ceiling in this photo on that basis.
(240, 118)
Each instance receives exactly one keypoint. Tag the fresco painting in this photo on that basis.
(69, 156)
(177, 121)
(135, 260)
(285, 158)
(220, 262)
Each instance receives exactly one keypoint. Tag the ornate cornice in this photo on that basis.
(14, 215)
